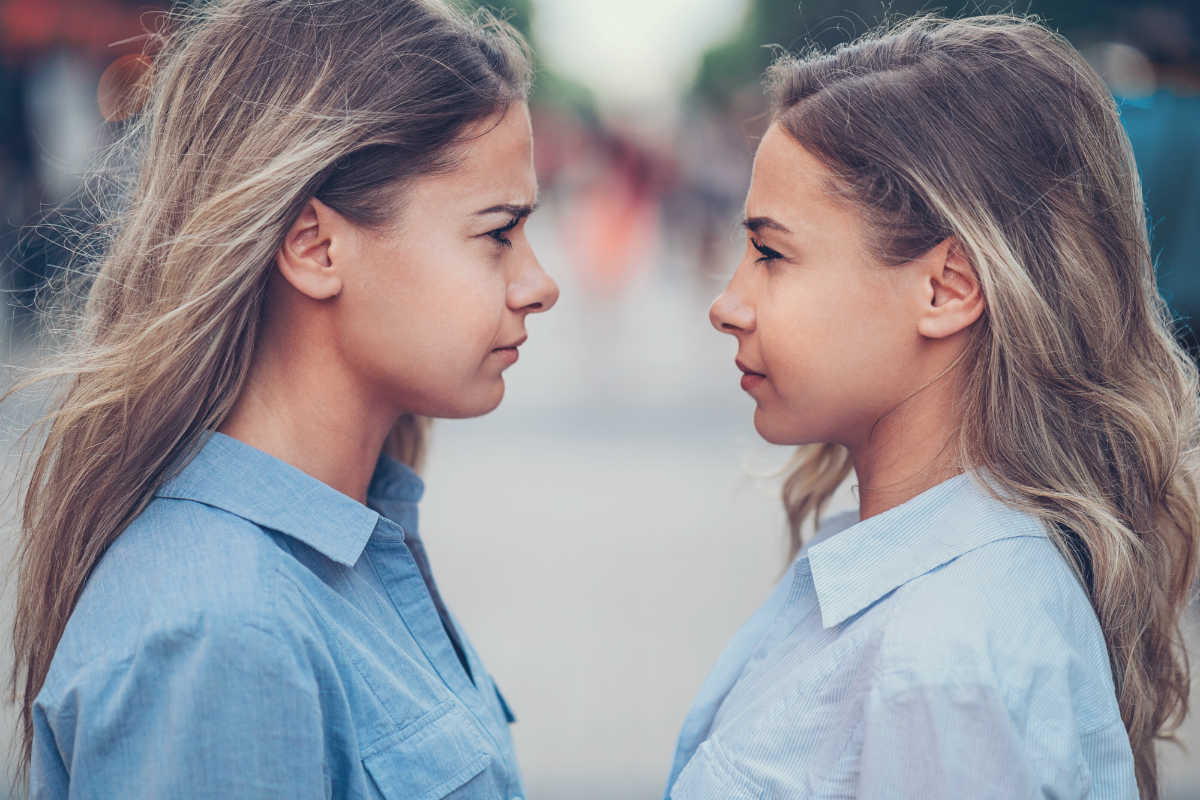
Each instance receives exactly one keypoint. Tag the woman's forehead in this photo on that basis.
(493, 166)
(789, 184)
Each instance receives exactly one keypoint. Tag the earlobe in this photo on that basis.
(955, 295)
(305, 259)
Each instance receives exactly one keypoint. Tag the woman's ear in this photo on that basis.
(955, 298)
(306, 259)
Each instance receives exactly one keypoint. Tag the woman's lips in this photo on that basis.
(508, 354)
(751, 379)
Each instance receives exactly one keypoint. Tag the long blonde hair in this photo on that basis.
(1076, 397)
(252, 107)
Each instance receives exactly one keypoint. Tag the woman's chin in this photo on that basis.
(781, 431)
(473, 404)
(768, 428)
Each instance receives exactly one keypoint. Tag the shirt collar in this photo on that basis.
(395, 482)
(394, 492)
(854, 567)
(231, 475)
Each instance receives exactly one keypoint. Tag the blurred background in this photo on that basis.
(606, 530)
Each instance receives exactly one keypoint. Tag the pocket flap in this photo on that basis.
(429, 758)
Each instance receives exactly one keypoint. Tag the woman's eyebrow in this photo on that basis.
(755, 224)
(517, 211)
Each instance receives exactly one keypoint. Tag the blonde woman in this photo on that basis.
(947, 288)
(223, 590)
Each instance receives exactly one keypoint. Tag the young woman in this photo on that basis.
(223, 590)
(947, 288)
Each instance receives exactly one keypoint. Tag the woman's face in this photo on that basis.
(826, 337)
(435, 308)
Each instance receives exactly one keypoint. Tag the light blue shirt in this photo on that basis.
(942, 649)
(254, 633)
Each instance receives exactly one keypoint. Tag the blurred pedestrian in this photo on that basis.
(1156, 77)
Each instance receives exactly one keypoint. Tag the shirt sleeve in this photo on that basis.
(216, 709)
(955, 740)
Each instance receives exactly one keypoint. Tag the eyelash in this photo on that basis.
(498, 234)
(767, 254)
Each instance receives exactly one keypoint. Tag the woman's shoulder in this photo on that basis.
(191, 551)
(181, 570)
(1010, 615)
(1008, 587)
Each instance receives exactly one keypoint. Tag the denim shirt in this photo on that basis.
(942, 649)
(254, 633)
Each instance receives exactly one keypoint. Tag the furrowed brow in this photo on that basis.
(517, 211)
(756, 224)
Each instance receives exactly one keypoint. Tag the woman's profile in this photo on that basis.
(223, 589)
(947, 288)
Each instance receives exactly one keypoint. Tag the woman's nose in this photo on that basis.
(730, 314)
(534, 291)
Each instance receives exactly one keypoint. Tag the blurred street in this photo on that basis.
(605, 531)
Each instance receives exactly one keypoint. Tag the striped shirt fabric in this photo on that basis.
(941, 649)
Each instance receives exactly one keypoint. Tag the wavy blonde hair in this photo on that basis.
(1076, 397)
(252, 108)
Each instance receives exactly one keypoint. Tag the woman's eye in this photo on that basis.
(765, 253)
(499, 233)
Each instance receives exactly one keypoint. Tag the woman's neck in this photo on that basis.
(909, 450)
(300, 406)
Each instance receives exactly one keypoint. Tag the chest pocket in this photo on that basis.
(441, 757)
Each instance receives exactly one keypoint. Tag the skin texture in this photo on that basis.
(854, 352)
(420, 316)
